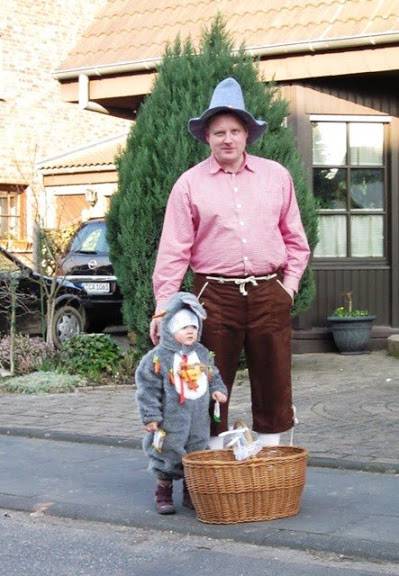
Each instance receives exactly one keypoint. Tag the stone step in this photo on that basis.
(393, 345)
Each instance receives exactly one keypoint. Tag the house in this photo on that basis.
(35, 122)
(78, 184)
(335, 62)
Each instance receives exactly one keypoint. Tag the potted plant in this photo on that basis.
(351, 327)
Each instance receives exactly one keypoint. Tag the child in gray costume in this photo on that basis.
(175, 381)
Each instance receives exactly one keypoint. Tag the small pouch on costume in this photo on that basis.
(159, 437)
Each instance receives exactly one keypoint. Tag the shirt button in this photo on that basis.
(244, 240)
(241, 223)
(245, 258)
(239, 205)
(235, 189)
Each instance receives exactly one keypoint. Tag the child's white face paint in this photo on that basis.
(186, 335)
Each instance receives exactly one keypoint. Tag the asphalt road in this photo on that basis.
(38, 545)
(344, 512)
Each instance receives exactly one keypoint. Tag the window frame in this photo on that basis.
(9, 217)
(354, 261)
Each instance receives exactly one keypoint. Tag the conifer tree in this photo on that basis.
(160, 148)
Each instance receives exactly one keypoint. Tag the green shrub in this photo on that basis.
(342, 312)
(90, 355)
(125, 370)
(42, 383)
(29, 353)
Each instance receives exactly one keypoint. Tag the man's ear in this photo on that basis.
(207, 135)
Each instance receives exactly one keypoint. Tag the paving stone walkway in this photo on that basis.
(348, 407)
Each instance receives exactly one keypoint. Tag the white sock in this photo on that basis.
(268, 439)
(215, 443)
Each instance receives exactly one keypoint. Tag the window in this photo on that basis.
(91, 239)
(349, 175)
(8, 215)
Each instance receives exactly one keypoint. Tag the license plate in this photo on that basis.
(96, 287)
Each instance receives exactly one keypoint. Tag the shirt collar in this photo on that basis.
(215, 167)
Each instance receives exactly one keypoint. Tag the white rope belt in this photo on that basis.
(242, 282)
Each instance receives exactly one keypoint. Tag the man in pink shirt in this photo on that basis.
(234, 220)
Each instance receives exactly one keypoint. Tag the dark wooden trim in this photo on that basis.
(350, 264)
(299, 123)
(394, 224)
(374, 280)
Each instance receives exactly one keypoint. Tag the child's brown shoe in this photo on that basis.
(163, 497)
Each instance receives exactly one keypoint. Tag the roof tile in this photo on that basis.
(99, 154)
(134, 30)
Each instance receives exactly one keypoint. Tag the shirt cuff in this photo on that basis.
(161, 307)
(291, 282)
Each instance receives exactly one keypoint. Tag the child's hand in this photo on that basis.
(151, 426)
(219, 397)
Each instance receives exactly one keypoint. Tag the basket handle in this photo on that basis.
(296, 421)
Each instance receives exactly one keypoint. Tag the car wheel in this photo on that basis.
(68, 321)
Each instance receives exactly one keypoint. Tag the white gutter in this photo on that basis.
(78, 169)
(312, 46)
(147, 65)
(328, 44)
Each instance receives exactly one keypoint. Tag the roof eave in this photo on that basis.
(305, 46)
(73, 169)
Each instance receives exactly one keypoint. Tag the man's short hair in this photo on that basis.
(226, 113)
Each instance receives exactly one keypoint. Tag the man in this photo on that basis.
(234, 219)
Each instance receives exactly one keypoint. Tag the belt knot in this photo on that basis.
(241, 282)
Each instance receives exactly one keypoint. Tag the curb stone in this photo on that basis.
(136, 443)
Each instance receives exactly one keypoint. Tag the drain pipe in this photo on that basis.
(84, 96)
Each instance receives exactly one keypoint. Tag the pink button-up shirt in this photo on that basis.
(241, 224)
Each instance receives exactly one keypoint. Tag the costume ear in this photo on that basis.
(174, 304)
(192, 302)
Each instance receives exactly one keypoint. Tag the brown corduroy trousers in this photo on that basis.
(260, 324)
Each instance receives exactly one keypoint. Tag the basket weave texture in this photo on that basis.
(226, 491)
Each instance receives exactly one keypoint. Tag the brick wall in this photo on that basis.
(35, 123)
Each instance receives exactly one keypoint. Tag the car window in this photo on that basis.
(91, 239)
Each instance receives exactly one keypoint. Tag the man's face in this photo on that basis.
(187, 335)
(227, 137)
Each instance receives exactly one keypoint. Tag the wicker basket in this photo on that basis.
(226, 491)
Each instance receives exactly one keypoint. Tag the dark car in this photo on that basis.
(86, 263)
(31, 300)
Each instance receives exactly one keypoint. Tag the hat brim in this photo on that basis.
(197, 126)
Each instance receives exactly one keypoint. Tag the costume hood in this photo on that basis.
(180, 301)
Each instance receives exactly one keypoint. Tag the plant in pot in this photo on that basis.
(351, 327)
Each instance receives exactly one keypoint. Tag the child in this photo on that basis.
(174, 383)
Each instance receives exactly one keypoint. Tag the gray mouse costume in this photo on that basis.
(174, 384)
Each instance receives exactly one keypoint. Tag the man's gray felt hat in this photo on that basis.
(227, 97)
